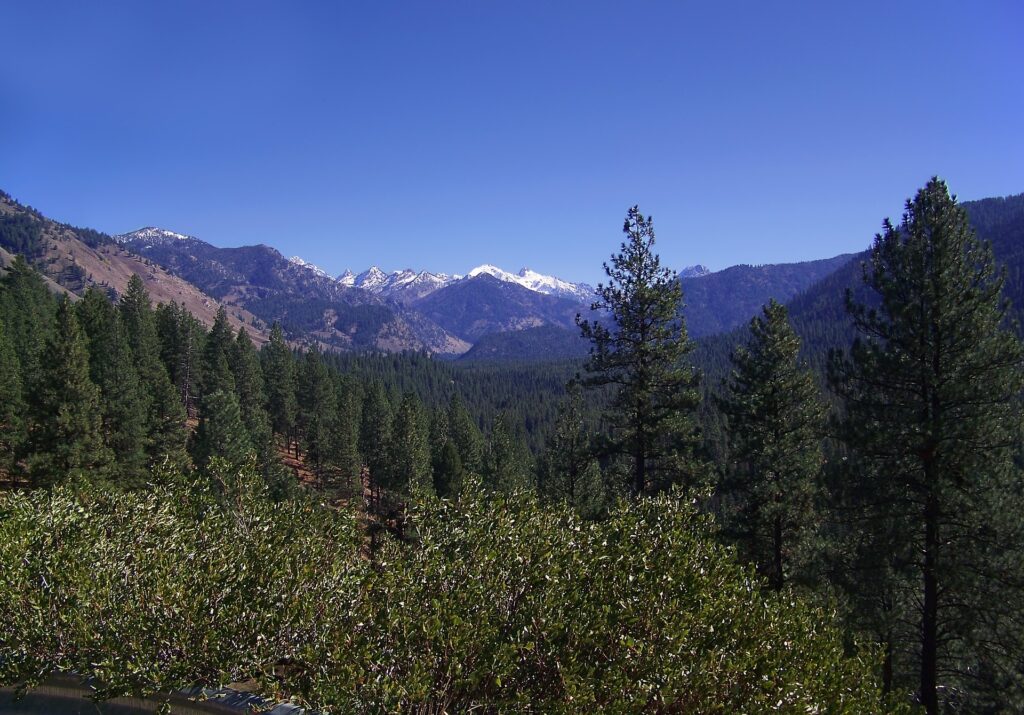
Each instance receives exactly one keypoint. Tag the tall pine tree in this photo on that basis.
(317, 408)
(66, 439)
(642, 353)
(344, 442)
(217, 375)
(412, 471)
(28, 311)
(165, 424)
(932, 420)
(123, 398)
(12, 407)
(181, 336)
(776, 422)
(375, 436)
(279, 378)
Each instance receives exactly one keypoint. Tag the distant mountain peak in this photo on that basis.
(538, 282)
(694, 271)
(298, 261)
(348, 278)
(372, 279)
(153, 234)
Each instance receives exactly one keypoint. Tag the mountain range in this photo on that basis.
(486, 313)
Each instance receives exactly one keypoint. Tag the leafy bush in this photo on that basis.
(495, 604)
(150, 592)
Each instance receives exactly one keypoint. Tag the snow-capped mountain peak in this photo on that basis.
(348, 278)
(370, 279)
(152, 235)
(538, 282)
(296, 260)
(407, 285)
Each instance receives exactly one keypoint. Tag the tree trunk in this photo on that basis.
(887, 666)
(639, 475)
(930, 617)
(777, 549)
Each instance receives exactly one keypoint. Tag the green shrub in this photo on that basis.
(496, 605)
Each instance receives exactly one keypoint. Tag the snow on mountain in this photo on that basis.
(152, 235)
(554, 286)
(408, 285)
(347, 279)
(538, 282)
(372, 279)
(311, 266)
(405, 285)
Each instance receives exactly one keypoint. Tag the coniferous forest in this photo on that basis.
(751, 523)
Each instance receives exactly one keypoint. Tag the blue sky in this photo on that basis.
(441, 135)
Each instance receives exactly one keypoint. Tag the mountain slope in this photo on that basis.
(538, 282)
(405, 286)
(77, 258)
(545, 342)
(819, 314)
(306, 301)
(718, 302)
(483, 304)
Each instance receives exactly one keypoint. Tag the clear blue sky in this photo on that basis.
(442, 135)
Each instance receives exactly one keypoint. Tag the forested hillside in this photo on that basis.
(484, 304)
(721, 301)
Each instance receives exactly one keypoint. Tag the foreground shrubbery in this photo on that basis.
(497, 603)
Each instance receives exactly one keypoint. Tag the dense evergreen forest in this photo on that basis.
(759, 523)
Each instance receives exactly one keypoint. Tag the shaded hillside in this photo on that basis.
(546, 342)
(718, 302)
(483, 304)
(76, 258)
(308, 305)
(819, 313)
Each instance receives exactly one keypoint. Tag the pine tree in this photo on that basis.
(507, 464)
(932, 421)
(221, 433)
(344, 443)
(122, 398)
(181, 336)
(412, 471)
(217, 376)
(642, 356)
(165, 423)
(247, 375)
(12, 407)
(279, 378)
(567, 471)
(66, 438)
(446, 464)
(449, 475)
(776, 421)
(375, 435)
(317, 408)
(466, 436)
(27, 309)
